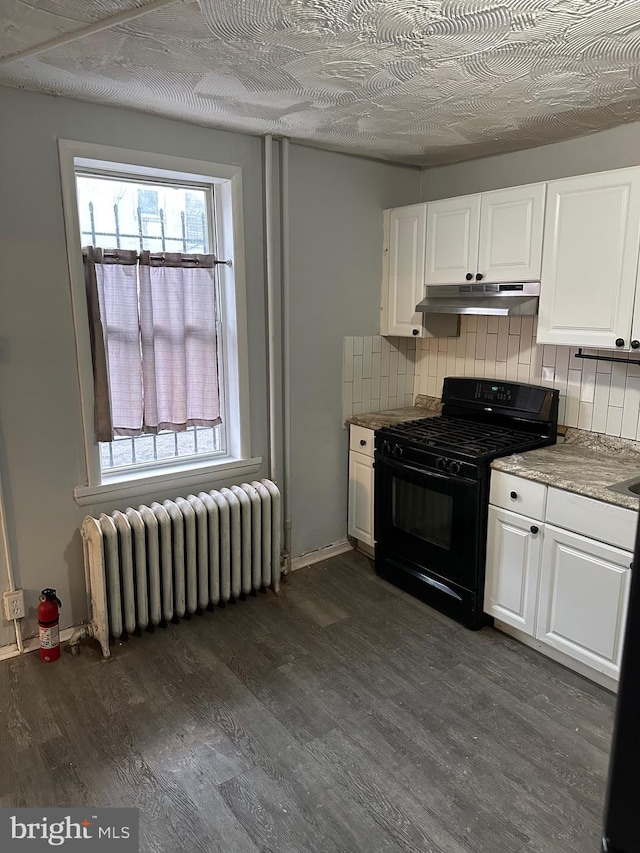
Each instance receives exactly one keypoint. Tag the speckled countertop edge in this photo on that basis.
(426, 407)
(584, 464)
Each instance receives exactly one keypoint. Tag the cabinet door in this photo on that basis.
(584, 589)
(510, 247)
(452, 240)
(513, 565)
(589, 267)
(404, 261)
(360, 516)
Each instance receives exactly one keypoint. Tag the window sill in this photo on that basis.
(177, 479)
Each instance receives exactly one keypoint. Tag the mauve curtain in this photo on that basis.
(112, 299)
(153, 337)
(178, 333)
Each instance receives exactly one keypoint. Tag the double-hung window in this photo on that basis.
(158, 228)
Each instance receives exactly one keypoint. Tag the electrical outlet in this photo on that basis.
(14, 604)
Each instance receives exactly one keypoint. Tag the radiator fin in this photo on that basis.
(172, 558)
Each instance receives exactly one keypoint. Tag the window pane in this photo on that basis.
(123, 214)
(117, 213)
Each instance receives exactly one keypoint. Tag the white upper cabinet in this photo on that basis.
(589, 268)
(491, 237)
(452, 240)
(403, 277)
(403, 274)
(511, 224)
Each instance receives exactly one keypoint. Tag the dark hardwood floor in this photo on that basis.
(343, 716)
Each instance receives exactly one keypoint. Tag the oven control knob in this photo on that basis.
(386, 447)
(441, 463)
(453, 467)
(397, 450)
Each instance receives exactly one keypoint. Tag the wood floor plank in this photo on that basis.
(342, 716)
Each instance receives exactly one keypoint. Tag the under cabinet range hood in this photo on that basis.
(513, 299)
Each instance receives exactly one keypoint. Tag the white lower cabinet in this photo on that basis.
(513, 555)
(360, 509)
(561, 591)
(584, 589)
(360, 513)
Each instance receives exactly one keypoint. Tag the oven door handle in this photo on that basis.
(422, 472)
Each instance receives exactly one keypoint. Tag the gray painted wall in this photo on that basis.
(336, 240)
(336, 268)
(610, 149)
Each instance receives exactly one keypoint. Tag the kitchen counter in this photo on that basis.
(585, 464)
(426, 407)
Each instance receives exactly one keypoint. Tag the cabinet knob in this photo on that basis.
(619, 342)
(416, 331)
(468, 276)
(513, 495)
(479, 276)
(534, 529)
(631, 566)
(635, 344)
(362, 442)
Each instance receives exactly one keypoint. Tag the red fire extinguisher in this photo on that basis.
(48, 621)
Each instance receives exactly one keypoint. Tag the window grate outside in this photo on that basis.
(116, 213)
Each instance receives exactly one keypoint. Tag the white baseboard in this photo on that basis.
(555, 654)
(9, 651)
(321, 554)
(32, 644)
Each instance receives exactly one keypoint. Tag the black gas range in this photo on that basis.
(432, 488)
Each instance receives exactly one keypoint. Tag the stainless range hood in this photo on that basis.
(514, 299)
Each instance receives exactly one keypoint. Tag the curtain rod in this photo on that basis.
(157, 255)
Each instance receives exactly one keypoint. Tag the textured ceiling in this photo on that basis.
(417, 81)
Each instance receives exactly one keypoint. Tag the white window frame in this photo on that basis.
(227, 180)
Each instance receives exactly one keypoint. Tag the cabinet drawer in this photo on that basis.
(595, 519)
(361, 440)
(529, 497)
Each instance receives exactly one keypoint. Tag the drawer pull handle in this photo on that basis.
(631, 566)
(513, 495)
(534, 529)
(362, 442)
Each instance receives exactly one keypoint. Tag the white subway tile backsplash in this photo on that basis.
(548, 376)
(619, 374)
(614, 420)
(601, 402)
(588, 384)
(385, 354)
(471, 345)
(631, 407)
(573, 398)
(585, 415)
(384, 393)
(376, 359)
(382, 373)
(366, 358)
(366, 395)
(503, 340)
(501, 369)
(357, 379)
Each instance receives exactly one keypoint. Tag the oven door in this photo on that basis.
(430, 519)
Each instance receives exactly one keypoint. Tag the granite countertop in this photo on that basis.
(585, 464)
(426, 407)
